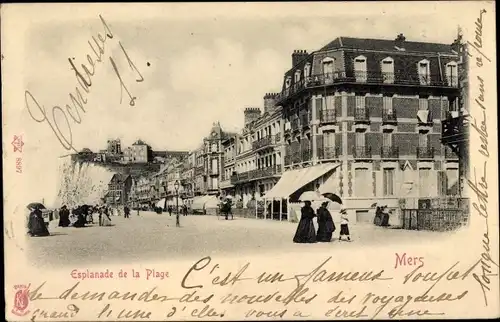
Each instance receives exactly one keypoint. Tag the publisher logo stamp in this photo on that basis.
(21, 300)
(18, 143)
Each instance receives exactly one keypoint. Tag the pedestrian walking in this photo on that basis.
(344, 225)
(185, 210)
(305, 230)
(138, 212)
(169, 211)
(126, 211)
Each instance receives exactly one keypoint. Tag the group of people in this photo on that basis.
(305, 230)
(80, 216)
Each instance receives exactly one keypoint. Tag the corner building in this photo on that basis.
(372, 110)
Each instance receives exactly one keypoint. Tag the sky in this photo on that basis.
(199, 63)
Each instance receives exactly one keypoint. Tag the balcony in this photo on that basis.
(295, 125)
(267, 141)
(332, 152)
(328, 116)
(369, 77)
(288, 159)
(389, 152)
(361, 115)
(362, 152)
(389, 116)
(425, 153)
(256, 174)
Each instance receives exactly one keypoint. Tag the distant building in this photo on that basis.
(114, 146)
(139, 152)
(118, 190)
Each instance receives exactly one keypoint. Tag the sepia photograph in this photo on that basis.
(183, 133)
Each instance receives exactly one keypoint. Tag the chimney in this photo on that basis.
(251, 114)
(270, 102)
(399, 41)
(298, 56)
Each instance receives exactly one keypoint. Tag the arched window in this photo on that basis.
(424, 74)
(387, 67)
(329, 69)
(452, 74)
(360, 69)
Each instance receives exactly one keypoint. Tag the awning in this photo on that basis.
(161, 203)
(293, 180)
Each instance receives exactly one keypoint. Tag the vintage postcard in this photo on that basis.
(250, 161)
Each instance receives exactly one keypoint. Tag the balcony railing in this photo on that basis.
(361, 115)
(298, 156)
(328, 116)
(362, 152)
(370, 77)
(389, 116)
(389, 152)
(332, 152)
(256, 174)
(425, 152)
(265, 142)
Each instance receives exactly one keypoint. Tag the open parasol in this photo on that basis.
(310, 196)
(333, 197)
(33, 205)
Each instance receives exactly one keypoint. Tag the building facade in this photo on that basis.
(373, 107)
(139, 152)
(118, 190)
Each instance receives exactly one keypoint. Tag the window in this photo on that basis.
(360, 139)
(328, 69)
(362, 183)
(288, 82)
(425, 185)
(387, 138)
(360, 69)
(388, 70)
(423, 104)
(388, 178)
(307, 70)
(424, 72)
(360, 102)
(329, 145)
(452, 74)
(387, 102)
(297, 76)
(452, 182)
(215, 166)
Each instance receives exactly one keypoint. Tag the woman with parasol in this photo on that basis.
(36, 224)
(305, 230)
(326, 227)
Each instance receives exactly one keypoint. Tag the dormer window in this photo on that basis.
(360, 69)
(328, 69)
(387, 66)
(297, 76)
(424, 72)
(288, 82)
(307, 70)
(452, 74)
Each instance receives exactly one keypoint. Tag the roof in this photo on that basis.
(120, 177)
(386, 45)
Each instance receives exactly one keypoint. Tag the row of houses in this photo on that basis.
(362, 118)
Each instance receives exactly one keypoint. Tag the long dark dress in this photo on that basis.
(326, 227)
(81, 221)
(36, 224)
(64, 218)
(305, 230)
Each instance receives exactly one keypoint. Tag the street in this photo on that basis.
(151, 236)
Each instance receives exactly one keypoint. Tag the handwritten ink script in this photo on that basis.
(208, 290)
(59, 118)
(479, 176)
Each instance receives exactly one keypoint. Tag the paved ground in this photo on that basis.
(153, 236)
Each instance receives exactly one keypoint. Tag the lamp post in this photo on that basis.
(176, 187)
